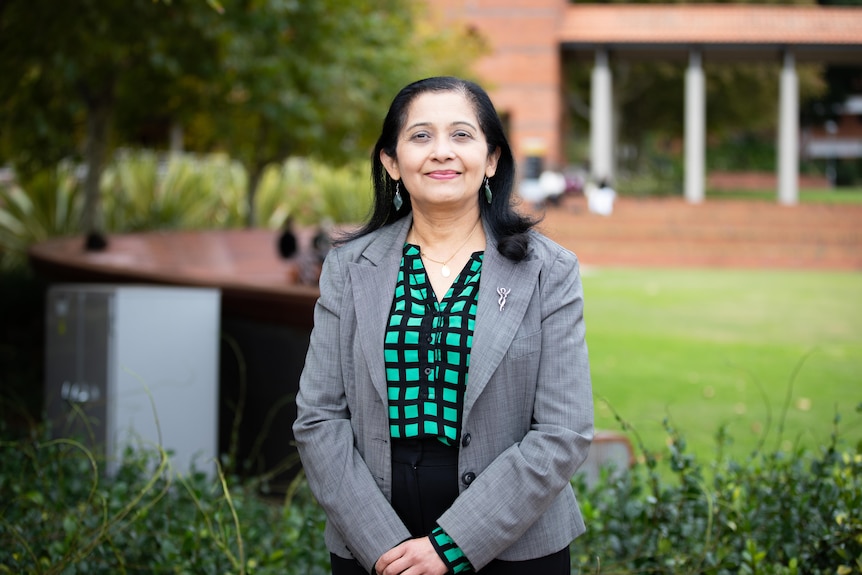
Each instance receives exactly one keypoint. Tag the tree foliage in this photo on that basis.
(314, 78)
(259, 79)
(72, 67)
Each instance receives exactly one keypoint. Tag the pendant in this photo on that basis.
(444, 271)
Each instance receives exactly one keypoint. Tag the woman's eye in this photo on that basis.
(462, 135)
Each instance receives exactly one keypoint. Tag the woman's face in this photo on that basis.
(442, 155)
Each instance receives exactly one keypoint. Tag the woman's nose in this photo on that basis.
(443, 149)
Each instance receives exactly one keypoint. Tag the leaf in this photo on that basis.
(35, 497)
(70, 526)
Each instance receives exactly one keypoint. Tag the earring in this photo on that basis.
(488, 195)
(397, 201)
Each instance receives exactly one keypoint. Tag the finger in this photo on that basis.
(380, 566)
(396, 567)
(387, 558)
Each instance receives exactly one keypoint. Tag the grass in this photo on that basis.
(806, 196)
(707, 348)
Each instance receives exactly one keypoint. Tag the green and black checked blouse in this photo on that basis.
(427, 353)
(427, 350)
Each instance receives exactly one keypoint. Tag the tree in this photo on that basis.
(70, 66)
(258, 79)
(299, 78)
(313, 78)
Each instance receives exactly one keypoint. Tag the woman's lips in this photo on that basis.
(443, 174)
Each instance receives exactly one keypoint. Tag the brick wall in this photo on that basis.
(522, 73)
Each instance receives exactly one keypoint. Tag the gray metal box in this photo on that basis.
(135, 365)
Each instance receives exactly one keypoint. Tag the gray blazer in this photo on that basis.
(528, 411)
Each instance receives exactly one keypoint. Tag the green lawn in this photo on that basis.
(712, 347)
(806, 196)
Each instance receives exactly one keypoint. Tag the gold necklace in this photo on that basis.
(445, 271)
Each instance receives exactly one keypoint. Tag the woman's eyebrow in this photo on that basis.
(453, 124)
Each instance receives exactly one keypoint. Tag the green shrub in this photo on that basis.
(141, 190)
(649, 184)
(309, 192)
(776, 513)
(748, 151)
(144, 190)
(60, 514)
(658, 175)
(52, 205)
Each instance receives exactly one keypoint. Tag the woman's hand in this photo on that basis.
(413, 557)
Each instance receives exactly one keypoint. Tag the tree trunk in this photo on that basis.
(258, 163)
(98, 124)
(254, 177)
(176, 137)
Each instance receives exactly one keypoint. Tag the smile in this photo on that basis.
(443, 174)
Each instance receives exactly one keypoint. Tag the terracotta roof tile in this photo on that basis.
(711, 24)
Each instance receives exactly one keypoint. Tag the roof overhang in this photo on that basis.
(721, 32)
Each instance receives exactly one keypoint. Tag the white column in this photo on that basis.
(695, 130)
(788, 133)
(601, 127)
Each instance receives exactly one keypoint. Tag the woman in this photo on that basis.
(445, 402)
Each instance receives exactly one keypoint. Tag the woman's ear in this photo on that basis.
(493, 158)
(391, 165)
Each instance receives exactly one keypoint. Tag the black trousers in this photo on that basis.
(424, 485)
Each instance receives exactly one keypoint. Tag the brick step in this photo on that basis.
(670, 232)
(718, 211)
(706, 232)
(671, 254)
(850, 218)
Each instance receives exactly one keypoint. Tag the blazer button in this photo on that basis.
(468, 477)
(465, 441)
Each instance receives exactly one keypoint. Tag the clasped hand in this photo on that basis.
(413, 557)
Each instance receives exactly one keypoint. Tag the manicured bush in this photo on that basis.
(775, 513)
(60, 514)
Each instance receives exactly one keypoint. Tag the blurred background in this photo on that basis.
(147, 116)
(171, 172)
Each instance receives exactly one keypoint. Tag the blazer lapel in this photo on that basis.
(373, 279)
(496, 327)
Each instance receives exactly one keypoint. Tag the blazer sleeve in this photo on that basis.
(519, 485)
(337, 474)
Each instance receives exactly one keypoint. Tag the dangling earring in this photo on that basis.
(397, 201)
(488, 195)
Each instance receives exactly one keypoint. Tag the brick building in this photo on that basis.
(529, 38)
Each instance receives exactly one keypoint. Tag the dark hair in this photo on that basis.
(507, 226)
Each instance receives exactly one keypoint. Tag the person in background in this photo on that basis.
(446, 401)
(600, 199)
(553, 184)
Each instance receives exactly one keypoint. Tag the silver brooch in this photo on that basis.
(502, 292)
